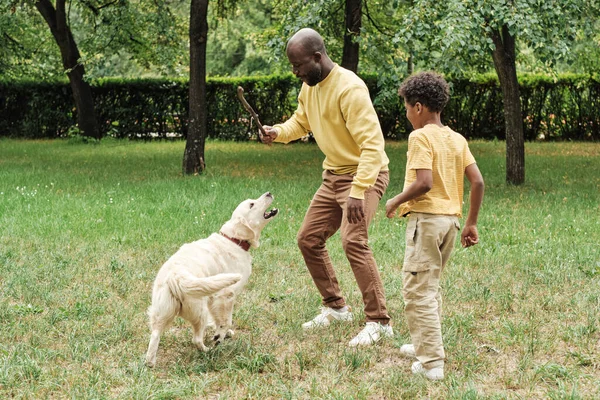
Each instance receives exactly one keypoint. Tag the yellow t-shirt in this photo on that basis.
(446, 153)
(339, 113)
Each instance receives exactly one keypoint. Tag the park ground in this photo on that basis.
(85, 227)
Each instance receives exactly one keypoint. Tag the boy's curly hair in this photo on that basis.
(427, 88)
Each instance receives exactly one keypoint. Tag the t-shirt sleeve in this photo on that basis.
(468, 158)
(420, 154)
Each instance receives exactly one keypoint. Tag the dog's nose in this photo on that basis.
(268, 194)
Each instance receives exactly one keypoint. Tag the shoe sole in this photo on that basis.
(315, 326)
(384, 335)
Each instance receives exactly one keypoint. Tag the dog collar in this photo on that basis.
(244, 244)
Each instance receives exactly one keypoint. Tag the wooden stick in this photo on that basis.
(248, 107)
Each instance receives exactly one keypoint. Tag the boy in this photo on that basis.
(437, 161)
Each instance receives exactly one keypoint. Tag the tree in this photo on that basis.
(57, 21)
(353, 18)
(349, 28)
(107, 29)
(193, 156)
(456, 35)
(504, 57)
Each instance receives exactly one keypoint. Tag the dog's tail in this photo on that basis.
(183, 284)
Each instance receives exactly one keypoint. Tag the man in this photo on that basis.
(334, 105)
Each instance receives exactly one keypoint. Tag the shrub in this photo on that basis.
(566, 107)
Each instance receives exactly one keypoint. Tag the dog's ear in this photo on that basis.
(238, 227)
(252, 232)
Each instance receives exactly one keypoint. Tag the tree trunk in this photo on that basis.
(353, 24)
(82, 92)
(193, 158)
(504, 62)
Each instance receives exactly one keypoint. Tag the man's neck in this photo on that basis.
(326, 68)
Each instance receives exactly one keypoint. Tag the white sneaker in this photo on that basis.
(434, 374)
(327, 315)
(371, 333)
(408, 351)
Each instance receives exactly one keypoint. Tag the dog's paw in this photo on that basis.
(200, 345)
(218, 338)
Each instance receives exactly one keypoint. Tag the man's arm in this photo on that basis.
(294, 128)
(419, 187)
(363, 125)
(469, 235)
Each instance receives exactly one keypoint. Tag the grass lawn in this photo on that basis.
(85, 228)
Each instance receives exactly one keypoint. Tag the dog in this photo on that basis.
(202, 279)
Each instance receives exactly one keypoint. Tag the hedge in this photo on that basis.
(566, 107)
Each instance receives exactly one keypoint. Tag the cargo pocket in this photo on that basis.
(412, 257)
(411, 231)
(457, 224)
(415, 285)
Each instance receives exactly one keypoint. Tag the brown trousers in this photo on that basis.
(429, 242)
(325, 216)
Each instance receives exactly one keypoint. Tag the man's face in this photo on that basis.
(305, 66)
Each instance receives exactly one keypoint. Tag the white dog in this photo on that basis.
(200, 281)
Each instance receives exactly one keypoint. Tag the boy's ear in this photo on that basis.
(418, 107)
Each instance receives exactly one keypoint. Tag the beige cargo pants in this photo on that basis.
(429, 243)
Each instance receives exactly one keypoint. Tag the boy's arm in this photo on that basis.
(469, 235)
(419, 187)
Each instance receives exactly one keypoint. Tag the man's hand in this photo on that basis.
(469, 236)
(355, 210)
(270, 134)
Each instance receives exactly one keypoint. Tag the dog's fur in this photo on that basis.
(200, 281)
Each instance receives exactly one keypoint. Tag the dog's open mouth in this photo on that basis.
(271, 214)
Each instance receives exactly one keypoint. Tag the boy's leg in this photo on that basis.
(355, 240)
(423, 265)
(446, 250)
(321, 221)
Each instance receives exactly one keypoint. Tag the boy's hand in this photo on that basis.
(390, 208)
(469, 236)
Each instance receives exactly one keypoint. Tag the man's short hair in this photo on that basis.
(427, 88)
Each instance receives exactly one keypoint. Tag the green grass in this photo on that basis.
(84, 229)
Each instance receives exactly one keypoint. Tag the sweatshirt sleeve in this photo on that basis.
(295, 127)
(363, 125)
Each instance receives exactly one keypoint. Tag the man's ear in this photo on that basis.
(317, 55)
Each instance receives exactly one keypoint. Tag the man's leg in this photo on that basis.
(355, 239)
(322, 220)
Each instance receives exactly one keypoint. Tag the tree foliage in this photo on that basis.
(456, 36)
(115, 38)
(460, 35)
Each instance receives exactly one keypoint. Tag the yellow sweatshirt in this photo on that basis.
(339, 113)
